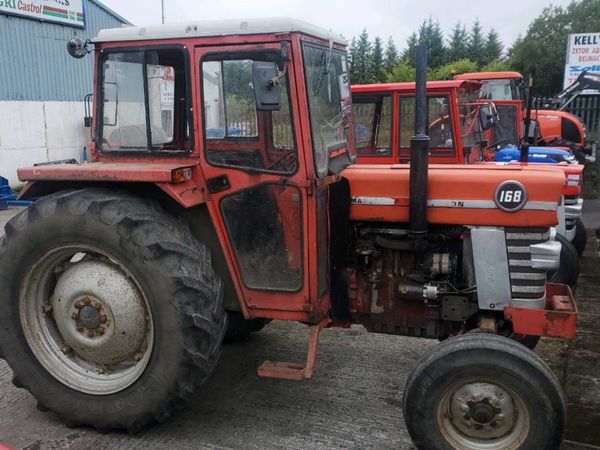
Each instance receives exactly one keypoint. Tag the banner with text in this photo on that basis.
(583, 53)
(68, 12)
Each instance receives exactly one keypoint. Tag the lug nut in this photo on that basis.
(86, 301)
(78, 304)
(74, 316)
(103, 318)
(100, 331)
(79, 328)
(90, 334)
(66, 349)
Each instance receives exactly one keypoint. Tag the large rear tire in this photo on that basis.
(110, 310)
(481, 391)
(568, 270)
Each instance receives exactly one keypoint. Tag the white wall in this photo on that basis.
(33, 132)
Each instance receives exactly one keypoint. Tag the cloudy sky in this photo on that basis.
(383, 17)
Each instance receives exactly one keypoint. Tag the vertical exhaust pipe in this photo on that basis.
(419, 150)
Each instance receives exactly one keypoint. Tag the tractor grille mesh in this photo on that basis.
(526, 282)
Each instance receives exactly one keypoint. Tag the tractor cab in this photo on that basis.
(384, 115)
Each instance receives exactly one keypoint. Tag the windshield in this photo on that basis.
(468, 111)
(329, 103)
(505, 130)
(500, 89)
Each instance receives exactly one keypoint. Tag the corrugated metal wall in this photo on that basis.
(34, 63)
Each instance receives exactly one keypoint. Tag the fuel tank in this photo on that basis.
(460, 194)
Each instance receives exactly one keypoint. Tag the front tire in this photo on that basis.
(481, 391)
(580, 239)
(568, 270)
(110, 311)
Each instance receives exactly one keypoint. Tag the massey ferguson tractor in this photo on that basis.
(553, 127)
(221, 187)
(464, 129)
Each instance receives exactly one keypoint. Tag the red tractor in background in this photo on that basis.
(382, 117)
(221, 185)
(552, 127)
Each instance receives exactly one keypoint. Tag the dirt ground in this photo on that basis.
(353, 401)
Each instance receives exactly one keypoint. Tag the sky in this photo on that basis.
(385, 18)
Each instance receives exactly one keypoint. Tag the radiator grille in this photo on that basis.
(526, 282)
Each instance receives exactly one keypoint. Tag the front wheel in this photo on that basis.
(568, 269)
(580, 239)
(110, 311)
(480, 391)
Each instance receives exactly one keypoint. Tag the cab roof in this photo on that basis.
(212, 28)
(411, 86)
(487, 75)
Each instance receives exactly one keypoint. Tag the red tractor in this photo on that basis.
(221, 190)
(382, 116)
(552, 127)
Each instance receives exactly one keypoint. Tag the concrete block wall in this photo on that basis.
(39, 131)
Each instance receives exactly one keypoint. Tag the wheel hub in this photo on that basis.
(86, 319)
(100, 313)
(89, 317)
(482, 411)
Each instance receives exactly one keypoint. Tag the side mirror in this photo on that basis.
(267, 92)
(485, 117)
(77, 47)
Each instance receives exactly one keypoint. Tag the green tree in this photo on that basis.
(377, 70)
(457, 44)
(411, 45)
(390, 57)
(446, 71)
(402, 71)
(493, 47)
(476, 44)
(361, 63)
(542, 50)
(430, 34)
(497, 65)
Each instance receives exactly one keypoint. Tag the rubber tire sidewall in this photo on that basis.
(494, 357)
(568, 270)
(580, 239)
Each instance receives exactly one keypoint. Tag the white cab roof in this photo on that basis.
(207, 28)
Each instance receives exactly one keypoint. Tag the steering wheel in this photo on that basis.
(498, 143)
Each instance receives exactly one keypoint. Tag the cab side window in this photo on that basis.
(439, 122)
(236, 133)
(372, 116)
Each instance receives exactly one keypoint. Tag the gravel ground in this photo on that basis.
(353, 401)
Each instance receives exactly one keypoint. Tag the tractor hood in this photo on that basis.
(460, 194)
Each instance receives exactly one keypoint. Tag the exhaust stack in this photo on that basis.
(419, 150)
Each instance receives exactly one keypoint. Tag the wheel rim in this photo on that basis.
(86, 319)
(483, 415)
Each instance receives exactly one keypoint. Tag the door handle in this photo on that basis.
(218, 184)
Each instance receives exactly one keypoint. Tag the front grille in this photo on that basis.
(525, 281)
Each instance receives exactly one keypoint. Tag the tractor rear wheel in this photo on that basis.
(110, 310)
(568, 270)
(580, 239)
(480, 391)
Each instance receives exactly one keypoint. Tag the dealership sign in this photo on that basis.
(583, 53)
(69, 12)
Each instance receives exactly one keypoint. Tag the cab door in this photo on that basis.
(256, 180)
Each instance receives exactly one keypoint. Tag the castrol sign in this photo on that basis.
(69, 12)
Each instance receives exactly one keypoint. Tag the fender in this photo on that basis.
(180, 181)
